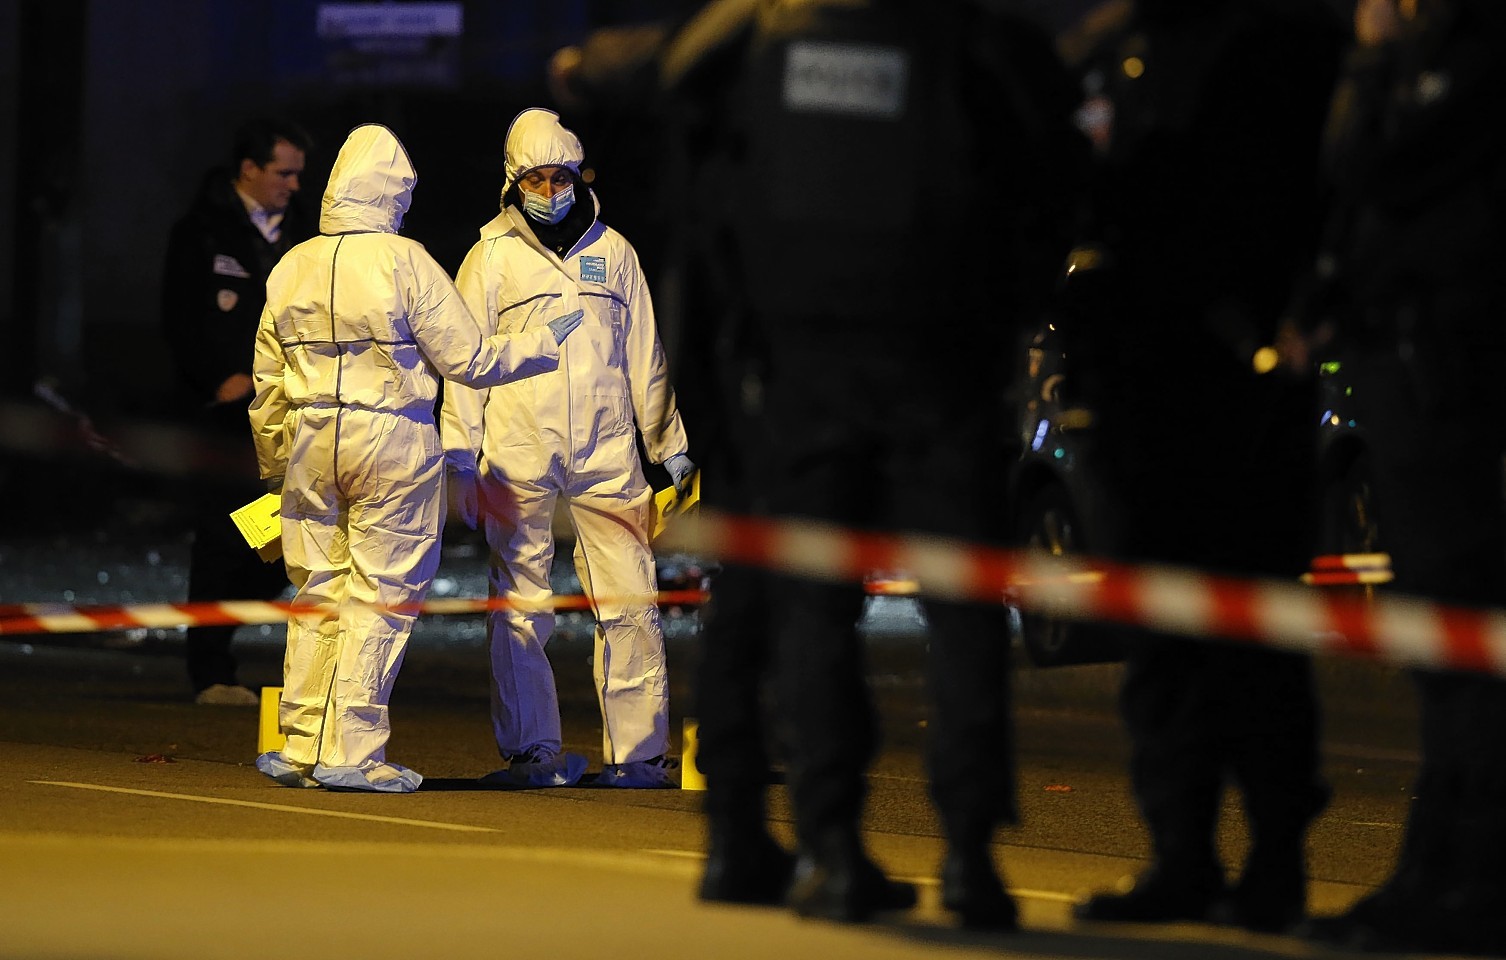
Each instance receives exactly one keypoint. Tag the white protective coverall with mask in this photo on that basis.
(568, 434)
(359, 326)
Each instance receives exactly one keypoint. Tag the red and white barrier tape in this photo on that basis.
(29, 618)
(1281, 614)
(1289, 615)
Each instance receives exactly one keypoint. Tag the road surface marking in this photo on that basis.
(282, 808)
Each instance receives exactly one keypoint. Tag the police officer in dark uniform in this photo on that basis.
(1207, 117)
(880, 193)
(1413, 279)
(244, 217)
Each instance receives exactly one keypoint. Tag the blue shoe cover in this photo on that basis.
(285, 772)
(655, 774)
(561, 770)
(375, 778)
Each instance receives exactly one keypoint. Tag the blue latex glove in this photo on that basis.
(561, 326)
(681, 470)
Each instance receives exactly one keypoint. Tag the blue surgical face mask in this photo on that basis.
(548, 210)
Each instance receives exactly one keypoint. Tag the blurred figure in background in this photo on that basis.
(1412, 278)
(606, 85)
(1206, 116)
(869, 209)
(245, 217)
(360, 325)
(515, 451)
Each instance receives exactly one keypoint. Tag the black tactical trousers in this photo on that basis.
(1437, 429)
(861, 442)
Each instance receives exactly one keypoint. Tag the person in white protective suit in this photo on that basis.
(514, 450)
(359, 325)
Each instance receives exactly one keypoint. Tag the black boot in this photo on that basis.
(1392, 918)
(746, 865)
(1283, 793)
(1161, 895)
(743, 863)
(1271, 896)
(1459, 921)
(971, 888)
(837, 881)
(1473, 921)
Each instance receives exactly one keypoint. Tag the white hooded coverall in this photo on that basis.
(568, 433)
(360, 323)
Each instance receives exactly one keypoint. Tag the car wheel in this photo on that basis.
(1048, 522)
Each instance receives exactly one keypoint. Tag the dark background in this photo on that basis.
(110, 112)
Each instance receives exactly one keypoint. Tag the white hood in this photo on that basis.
(538, 139)
(370, 186)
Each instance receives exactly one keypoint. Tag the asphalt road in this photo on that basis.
(133, 825)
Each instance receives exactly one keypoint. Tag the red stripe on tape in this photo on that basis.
(1464, 639)
(21, 624)
(1350, 624)
(994, 572)
(747, 541)
(1117, 596)
(1352, 561)
(1234, 604)
(870, 553)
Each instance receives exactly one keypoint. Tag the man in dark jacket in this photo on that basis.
(219, 254)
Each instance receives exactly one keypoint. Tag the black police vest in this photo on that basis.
(854, 159)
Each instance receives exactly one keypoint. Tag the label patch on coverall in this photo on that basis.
(846, 78)
(593, 269)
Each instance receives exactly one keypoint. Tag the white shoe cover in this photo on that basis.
(561, 770)
(289, 774)
(376, 778)
(655, 774)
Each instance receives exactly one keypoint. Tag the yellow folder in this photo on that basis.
(258, 523)
(668, 504)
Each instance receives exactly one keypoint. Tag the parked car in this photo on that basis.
(1059, 502)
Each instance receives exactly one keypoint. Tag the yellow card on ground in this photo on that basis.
(259, 524)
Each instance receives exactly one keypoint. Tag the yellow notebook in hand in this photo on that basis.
(259, 524)
(668, 505)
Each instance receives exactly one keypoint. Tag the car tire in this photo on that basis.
(1049, 522)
